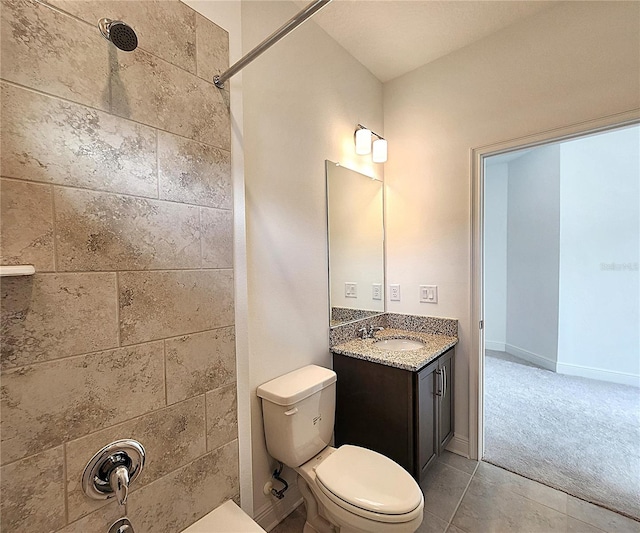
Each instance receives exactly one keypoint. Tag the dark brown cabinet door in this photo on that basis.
(426, 418)
(445, 424)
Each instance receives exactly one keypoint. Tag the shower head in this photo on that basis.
(119, 33)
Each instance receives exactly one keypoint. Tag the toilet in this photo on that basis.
(347, 489)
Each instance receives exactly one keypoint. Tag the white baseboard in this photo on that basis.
(275, 511)
(534, 358)
(612, 376)
(459, 445)
(495, 345)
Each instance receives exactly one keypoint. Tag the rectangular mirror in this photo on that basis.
(356, 244)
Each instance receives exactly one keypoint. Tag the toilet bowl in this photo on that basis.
(347, 489)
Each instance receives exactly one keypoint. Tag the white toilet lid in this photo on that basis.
(369, 480)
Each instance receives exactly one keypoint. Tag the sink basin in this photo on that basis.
(398, 345)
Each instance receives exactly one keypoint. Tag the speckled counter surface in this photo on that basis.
(413, 360)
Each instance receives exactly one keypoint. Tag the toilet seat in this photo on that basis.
(380, 489)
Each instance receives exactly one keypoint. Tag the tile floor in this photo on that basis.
(464, 496)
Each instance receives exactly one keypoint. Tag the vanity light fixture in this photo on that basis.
(363, 138)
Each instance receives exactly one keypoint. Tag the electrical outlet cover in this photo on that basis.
(394, 293)
(377, 291)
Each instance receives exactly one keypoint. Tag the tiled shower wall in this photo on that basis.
(116, 186)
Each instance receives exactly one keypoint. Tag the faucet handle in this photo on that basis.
(364, 334)
(373, 329)
(119, 482)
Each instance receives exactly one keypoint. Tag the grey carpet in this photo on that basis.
(577, 435)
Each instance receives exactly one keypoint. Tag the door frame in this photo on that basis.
(478, 155)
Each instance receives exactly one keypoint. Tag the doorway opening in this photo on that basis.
(559, 352)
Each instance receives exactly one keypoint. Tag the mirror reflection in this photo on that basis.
(356, 244)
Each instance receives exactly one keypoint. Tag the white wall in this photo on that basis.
(599, 291)
(495, 255)
(574, 62)
(302, 101)
(533, 255)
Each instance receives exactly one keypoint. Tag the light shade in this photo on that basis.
(363, 141)
(379, 151)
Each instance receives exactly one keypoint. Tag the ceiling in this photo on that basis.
(392, 37)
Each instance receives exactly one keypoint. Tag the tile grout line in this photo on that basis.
(201, 239)
(164, 370)
(133, 271)
(155, 132)
(64, 483)
(109, 113)
(134, 345)
(54, 228)
(114, 193)
(118, 332)
(462, 497)
(128, 420)
(206, 421)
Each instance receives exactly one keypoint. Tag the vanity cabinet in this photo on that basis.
(404, 415)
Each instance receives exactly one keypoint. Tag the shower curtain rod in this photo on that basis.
(287, 28)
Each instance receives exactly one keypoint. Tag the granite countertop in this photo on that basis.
(413, 360)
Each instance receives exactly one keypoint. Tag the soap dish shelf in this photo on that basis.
(17, 270)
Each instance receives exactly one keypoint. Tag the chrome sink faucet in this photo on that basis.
(369, 333)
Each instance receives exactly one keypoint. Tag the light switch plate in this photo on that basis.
(429, 294)
(377, 291)
(350, 289)
(394, 293)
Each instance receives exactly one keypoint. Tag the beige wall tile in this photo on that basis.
(99, 521)
(194, 173)
(171, 437)
(149, 90)
(212, 48)
(46, 404)
(48, 316)
(217, 238)
(54, 53)
(200, 362)
(156, 305)
(26, 225)
(33, 493)
(50, 140)
(100, 231)
(222, 416)
(166, 28)
(180, 498)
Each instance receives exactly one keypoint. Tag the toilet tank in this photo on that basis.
(299, 411)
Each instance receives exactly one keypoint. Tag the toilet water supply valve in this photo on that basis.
(268, 488)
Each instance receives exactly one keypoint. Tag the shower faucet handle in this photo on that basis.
(119, 482)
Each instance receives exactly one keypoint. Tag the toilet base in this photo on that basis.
(315, 523)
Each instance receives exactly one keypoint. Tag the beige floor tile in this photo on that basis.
(432, 524)
(458, 462)
(487, 508)
(600, 517)
(443, 488)
(294, 523)
(525, 487)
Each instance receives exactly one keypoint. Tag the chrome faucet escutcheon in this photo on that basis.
(113, 469)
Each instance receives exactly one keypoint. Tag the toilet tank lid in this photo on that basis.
(297, 385)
